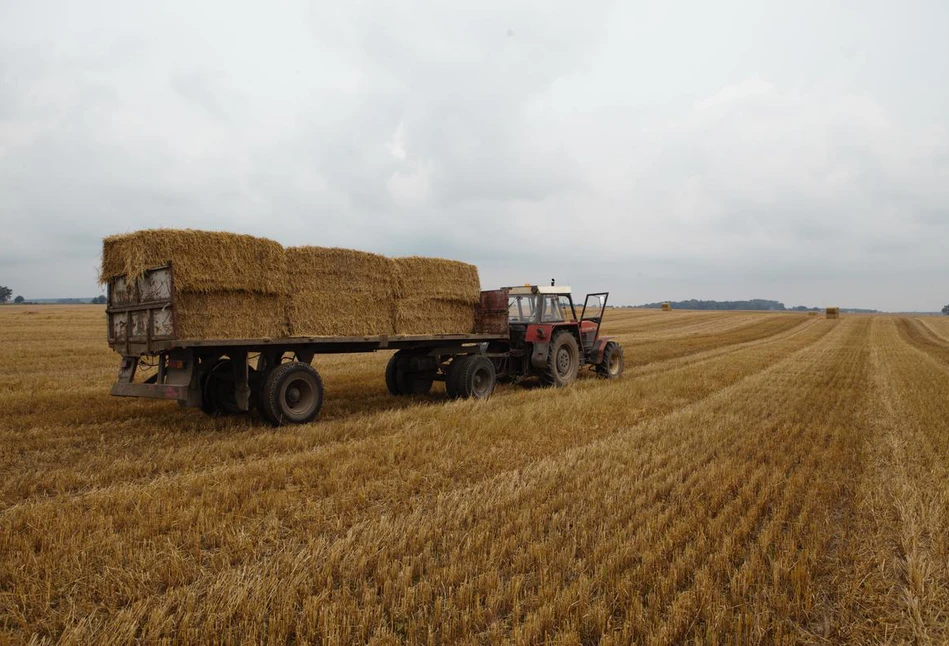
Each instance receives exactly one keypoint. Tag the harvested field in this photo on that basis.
(754, 478)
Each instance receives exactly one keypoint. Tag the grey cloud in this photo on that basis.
(615, 146)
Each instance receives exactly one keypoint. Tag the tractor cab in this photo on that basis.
(544, 321)
(534, 304)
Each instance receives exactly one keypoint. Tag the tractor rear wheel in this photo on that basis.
(292, 393)
(402, 381)
(471, 376)
(563, 360)
(612, 365)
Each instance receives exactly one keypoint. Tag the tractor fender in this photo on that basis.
(538, 333)
(539, 352)
(599, 348)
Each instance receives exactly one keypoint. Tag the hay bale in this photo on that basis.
(832, 312)
(433, 316)
(230, 315)
(226, 285)
(339, 292)
(667, 307)
(204, 261)
(435, 296)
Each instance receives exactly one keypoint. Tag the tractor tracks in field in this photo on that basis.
(900, 581)
(923, 337)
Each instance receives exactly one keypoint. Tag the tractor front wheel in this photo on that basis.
(563, 361)
(612, 365)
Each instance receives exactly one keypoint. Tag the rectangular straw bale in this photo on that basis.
(437, 278)
(433, 316)
(230, 315)
(339, 292)
(203, 261)
(435, 296)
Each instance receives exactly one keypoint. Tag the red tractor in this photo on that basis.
(542, 337)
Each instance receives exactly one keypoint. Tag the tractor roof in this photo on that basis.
(560, 290)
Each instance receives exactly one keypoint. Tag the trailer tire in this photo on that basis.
(401, 381)
(563, 361)
(217, 390)
(392, 379)
(291, 393)
(472, 376)
(612, 365)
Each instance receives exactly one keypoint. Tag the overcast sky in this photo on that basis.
(659, 150)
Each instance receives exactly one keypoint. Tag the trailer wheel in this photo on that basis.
(563, 361)
(471, 376)
(401, 381)
(292, 393)
(392, 380)
(217, 390)
(612, 365)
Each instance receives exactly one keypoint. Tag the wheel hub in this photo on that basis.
(563, 360)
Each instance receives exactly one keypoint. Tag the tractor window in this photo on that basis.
(552, 313)
(520, 309)
(567, 306)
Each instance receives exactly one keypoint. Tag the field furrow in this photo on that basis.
(900, 585)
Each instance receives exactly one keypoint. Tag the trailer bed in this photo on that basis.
(315, 344)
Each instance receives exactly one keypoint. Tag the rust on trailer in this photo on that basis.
(141, 312)
(491, 314)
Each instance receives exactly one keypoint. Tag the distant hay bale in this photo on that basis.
(339, 292)
(812, 313)
(667, 307)
(832, 312)
(435, 296)
(204, 261)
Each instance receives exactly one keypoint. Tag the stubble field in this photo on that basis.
(753, 478)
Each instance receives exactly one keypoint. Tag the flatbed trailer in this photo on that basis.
(274, 375)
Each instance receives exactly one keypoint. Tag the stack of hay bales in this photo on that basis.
(339, 292)
(434, 296)
(233, 286)
(226, 285)
(832, 312)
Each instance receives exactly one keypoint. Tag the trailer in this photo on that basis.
(519, 332)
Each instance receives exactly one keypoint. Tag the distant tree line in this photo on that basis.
(753, 304)
(6, 293)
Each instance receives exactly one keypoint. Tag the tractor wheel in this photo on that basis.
(400, 381)
(291, 393)
(563, 361)
(471, 376)
(612, 365)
